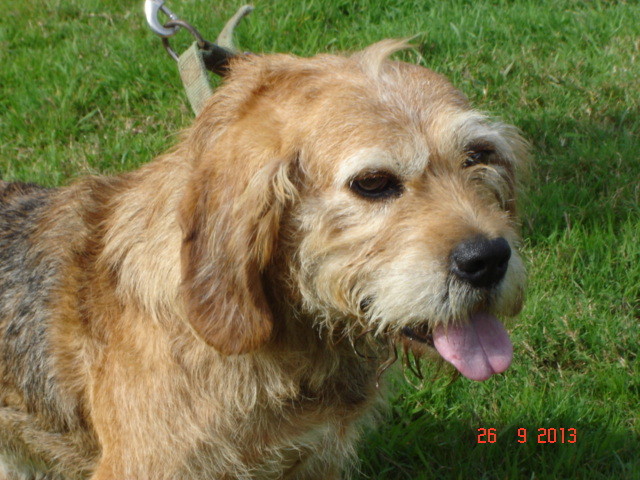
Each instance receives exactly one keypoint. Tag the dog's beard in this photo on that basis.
(456, 322)
(459, 324)
(478, 346)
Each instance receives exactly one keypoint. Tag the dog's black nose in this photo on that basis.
(480, 261)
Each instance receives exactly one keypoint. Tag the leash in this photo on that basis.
(201, 56)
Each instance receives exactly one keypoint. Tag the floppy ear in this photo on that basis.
(230, 217)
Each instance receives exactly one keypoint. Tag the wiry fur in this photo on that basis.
(195, 318)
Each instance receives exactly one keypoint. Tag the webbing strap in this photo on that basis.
(201, 55)
(194, 77)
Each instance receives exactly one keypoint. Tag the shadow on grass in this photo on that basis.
(428, 448)
(582, 172)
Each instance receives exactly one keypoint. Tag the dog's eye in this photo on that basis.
(477, 157)
(377, 185)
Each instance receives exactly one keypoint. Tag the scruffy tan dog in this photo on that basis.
(202, 317)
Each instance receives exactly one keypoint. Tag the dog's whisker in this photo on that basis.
(355, 342)
(412, 363)
(454, 377)
(391, 359)
(410, 381)
(418, 365)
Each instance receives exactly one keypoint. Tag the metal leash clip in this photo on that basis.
(202, 55)
(151, 10)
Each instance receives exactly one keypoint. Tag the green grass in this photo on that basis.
(86, 87)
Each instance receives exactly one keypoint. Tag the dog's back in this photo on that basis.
(25, 278)
(29, 392)
(26, 275)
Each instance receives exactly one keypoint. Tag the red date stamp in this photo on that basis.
(541, 435)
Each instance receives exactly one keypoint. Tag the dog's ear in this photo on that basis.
(230, 217)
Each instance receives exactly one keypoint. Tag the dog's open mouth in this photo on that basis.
(421, 335)
(478, 348)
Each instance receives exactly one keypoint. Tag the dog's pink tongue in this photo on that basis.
(478, 349)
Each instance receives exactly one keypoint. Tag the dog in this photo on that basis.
(224, 311)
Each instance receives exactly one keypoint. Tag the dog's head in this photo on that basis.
(372, 195)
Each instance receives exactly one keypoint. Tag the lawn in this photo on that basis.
(86, 87)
